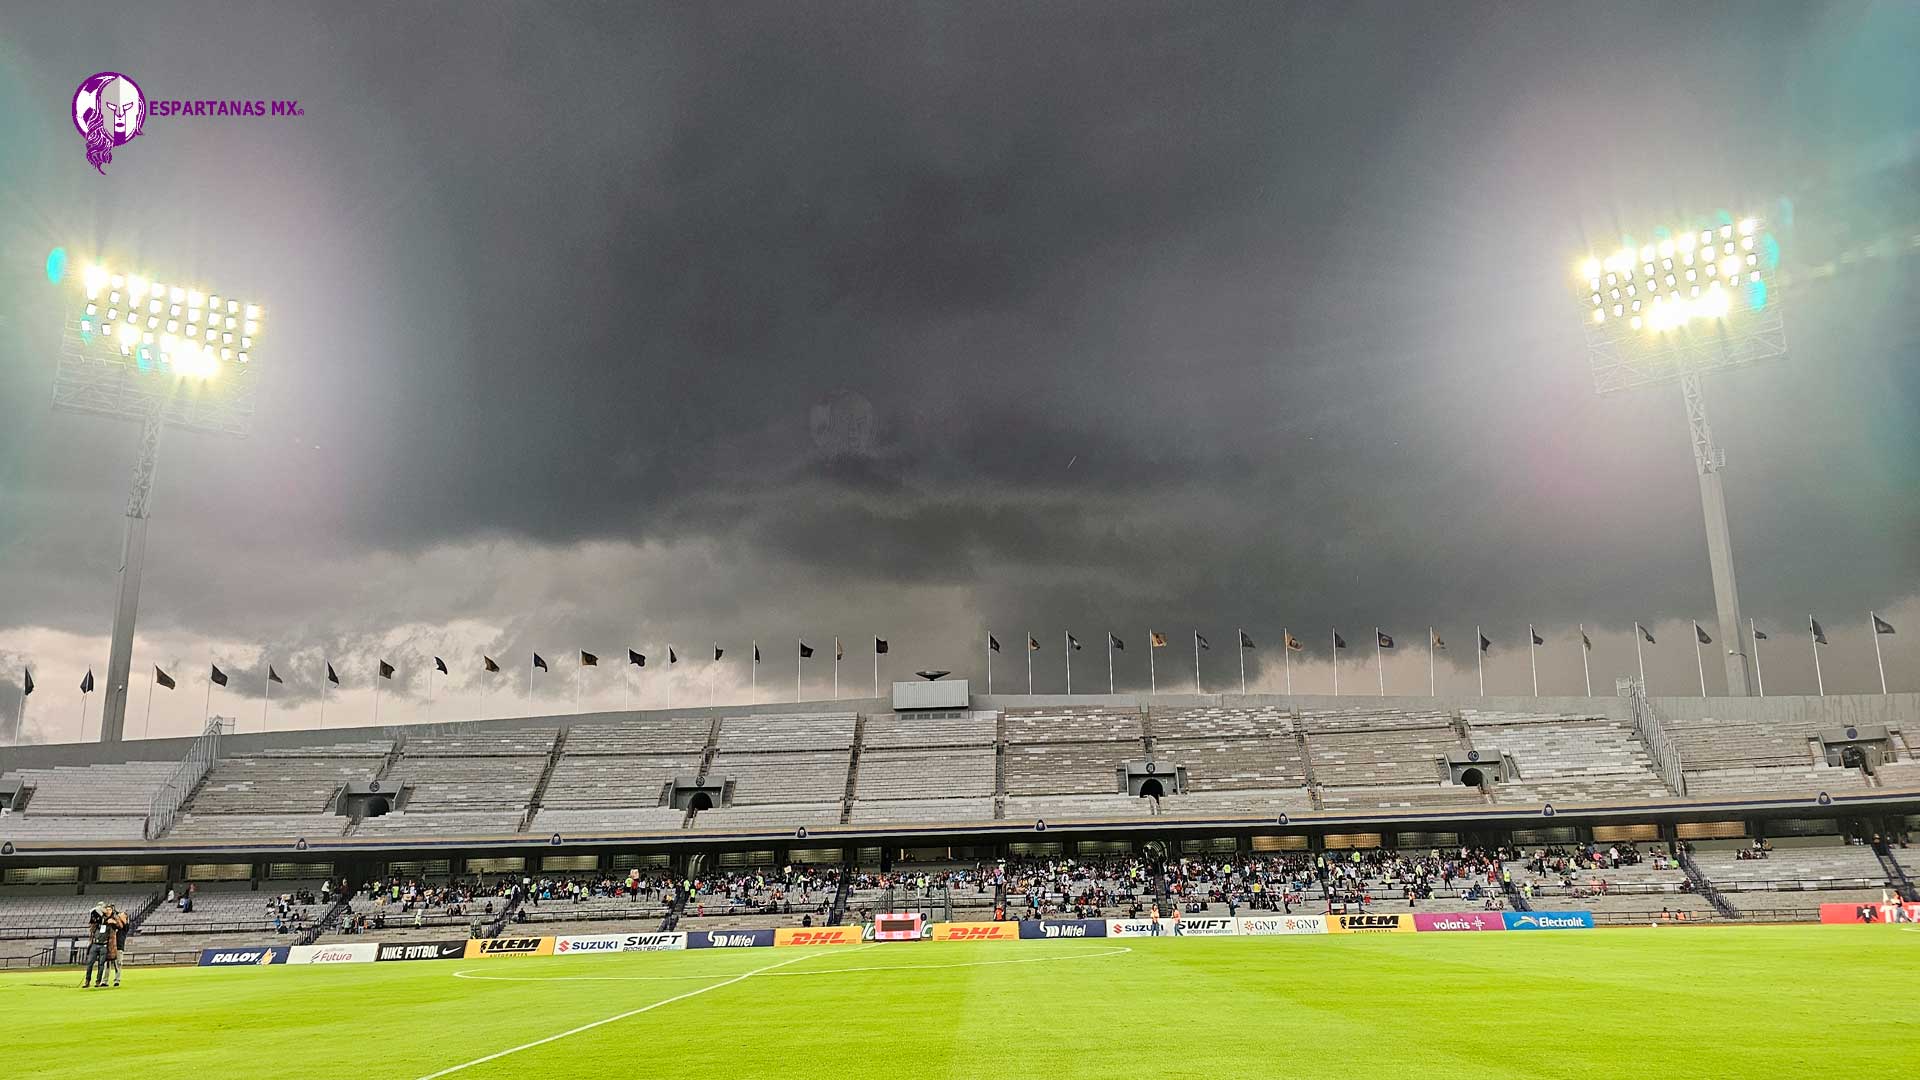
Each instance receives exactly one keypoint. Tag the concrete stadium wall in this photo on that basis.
(1810, 713)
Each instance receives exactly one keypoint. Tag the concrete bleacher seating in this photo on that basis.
(59, 827)
(1709, 743)
(786, 734)
(921, 811)
(1085, 768)
(496, 822)
(1221, 722)
(808, 777)
(1849, 866)
(41, 913)
(1093, 724)
(1706, 783)
(1566, 759)
(613, 780)
(642, 736)
(897, 731)
(222, 910)
(771, 815)
(1898, 774)
(909, 774)
(1069, 807)
(471, 772)
(1397, 797)
(1218, 763)
(221, 827)
(1393, 755)
(1261, 802)
(1361, 718)
(125, 790)
(612, 819)
(279, 792)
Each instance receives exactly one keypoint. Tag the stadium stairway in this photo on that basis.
(386, 766)
(1897, 875)
(1306, 763)
(853, 768)
(1516, 897)
(1000, 766)
(546, 775)
(675, 908)
(842, 894)
(326, 922)
(1705, 886)
(146, 909)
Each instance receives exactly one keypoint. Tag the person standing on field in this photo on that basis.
(97, 935)
(116, 940)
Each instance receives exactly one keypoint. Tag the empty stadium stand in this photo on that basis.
(1565, 758)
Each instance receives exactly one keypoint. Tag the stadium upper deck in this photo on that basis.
(859, 771)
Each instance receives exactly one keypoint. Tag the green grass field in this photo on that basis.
(1761, 1002)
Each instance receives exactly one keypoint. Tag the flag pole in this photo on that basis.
(796, 670)
(1153, 676)
(836, 669)
(1069, 653)
(1286, 656)
(83, 717)
(1533, 665)
(1028, 646)
(753, 673)
(377, 680)
(1873, 627)
(323, 698)
(1430, 692)
(876, 667)
(1640, 657)
(1196, 661)
(1239, 644)
(1379, 663)
(1814, 639)
(1109, 663)
(1585, 666)
(146, 722)
(431, 693)
(204, 717)
(1697, 659)
(1758, 678)
(1480, 657)
(989, 659)
(1334, 651)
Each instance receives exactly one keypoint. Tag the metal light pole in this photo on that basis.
(168, 356)
(1693, 303)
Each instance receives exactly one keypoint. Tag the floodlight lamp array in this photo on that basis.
(189, 331)
(1709, 274)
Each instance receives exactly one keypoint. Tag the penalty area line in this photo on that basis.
(497, 1055)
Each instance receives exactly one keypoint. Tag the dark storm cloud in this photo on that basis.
(588, 323)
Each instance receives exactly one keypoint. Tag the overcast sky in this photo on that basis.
(608, 327)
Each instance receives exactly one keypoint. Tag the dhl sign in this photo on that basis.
(976, 931)
(817, 935)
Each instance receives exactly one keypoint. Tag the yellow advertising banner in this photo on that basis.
(510, 946)
(976, 931)
(817, 935)
(1370, 924)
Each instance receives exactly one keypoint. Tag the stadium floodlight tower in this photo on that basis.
(169, 356)
(1691, 303)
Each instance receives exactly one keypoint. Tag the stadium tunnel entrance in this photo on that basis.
(1151, 789)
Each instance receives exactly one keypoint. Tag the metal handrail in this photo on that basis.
(173, 794)
(1646, 723)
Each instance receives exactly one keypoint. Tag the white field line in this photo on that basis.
(1113, 950)
(450, 1070)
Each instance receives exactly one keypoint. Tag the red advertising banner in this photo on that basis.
(1907, 912)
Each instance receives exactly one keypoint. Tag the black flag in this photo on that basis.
(1587, 642)
(489, 664)
(718, 652)
(440, 666)
(162, 678)
(219, 677)
(1819, 633)
(386, 670)
(839, 650)
(1701, 635)
(86, 684)
(587, 659)
(1245, 641)
(993, 643)
(636, 659)
(879, 645)
(1881, 626)
(1535, 634)
(1032, 644)
(27, 686)
(1117, 643)
(806, 651)
(1386, 640)
(539, 663)
(1646, 633)
(756, 653)
(1338, 641)
(1484, 643)
(1201, 640)
(1437, 643)
(1073, 642)
(274, 676)
(672, 657)
(1759, 634)
(332, 676)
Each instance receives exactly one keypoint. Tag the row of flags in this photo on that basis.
(1383, 641)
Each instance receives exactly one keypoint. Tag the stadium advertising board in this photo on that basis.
(1370, 924)
(422, 950)
(510, 946)
(355, 953)
(730, 939)
(976, 931)
(576, 944)
(1870, 913)
(818, 935)
(1548, 920)
(1139, 928)
(1063, 928)
(1460, 920)
(1283, 924)
(899, 926)
(257, 957)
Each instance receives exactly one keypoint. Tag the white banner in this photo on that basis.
(356, 953)
(607, 943)
(1168, 926)
(1283, 924)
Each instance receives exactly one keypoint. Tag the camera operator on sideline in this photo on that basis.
(106, 928)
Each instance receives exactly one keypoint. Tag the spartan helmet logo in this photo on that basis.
(108, 110)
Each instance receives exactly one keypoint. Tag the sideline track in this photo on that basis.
(495, 1056)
